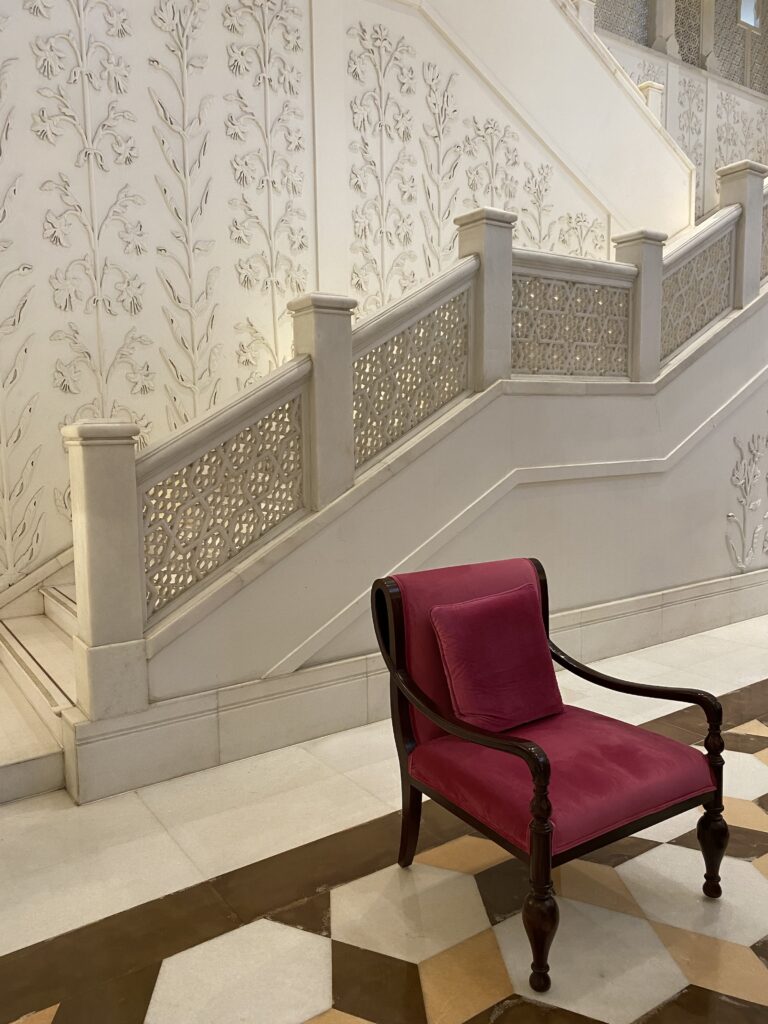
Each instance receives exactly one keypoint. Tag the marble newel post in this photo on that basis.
(109, 650)
(322, 329)
(487, 233)
(646, 250)
(742, 183)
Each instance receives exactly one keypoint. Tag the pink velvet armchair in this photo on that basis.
(481, 729)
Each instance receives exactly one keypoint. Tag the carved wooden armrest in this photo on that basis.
(710, 705)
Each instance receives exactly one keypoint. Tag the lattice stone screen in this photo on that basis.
(567, 327)
(628, 18)
(729, 40)
(688, 30)
(201, 515)
(695, 294)
(409, 377)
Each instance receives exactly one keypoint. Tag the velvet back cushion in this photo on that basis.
(496, 659)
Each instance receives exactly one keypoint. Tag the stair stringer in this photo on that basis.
(306, 593)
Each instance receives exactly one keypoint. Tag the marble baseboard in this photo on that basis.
(187, 734)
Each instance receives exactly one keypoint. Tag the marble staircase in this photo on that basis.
(37, 684)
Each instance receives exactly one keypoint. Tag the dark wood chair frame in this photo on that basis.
(540, 912)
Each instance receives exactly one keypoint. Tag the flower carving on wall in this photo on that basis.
(91, 286)
(383, 179)
(269, 220)
(690, 124)
(747, 526)
(22, 516)
(441, 161)
(735, 129)
(190, 309)
(493, 157)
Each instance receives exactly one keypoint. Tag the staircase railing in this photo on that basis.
(151, 532)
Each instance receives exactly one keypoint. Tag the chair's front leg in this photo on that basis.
(540, 913)
(712, 830)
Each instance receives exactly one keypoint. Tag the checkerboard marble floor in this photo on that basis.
(266, 892)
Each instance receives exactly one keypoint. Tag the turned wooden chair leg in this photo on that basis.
(409, 834)
(541, 915)
(712, 833)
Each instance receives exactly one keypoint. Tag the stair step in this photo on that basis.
(60, 606)
(38, 657)
(31, 761)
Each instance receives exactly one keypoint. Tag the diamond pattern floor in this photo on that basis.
(348, 937)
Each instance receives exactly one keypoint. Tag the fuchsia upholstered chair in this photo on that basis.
(481, 729)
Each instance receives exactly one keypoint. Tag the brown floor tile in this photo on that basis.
(621, 851)
(762, 801)
(715, 964)
(464, 980)
(335, 1017)
(761, 949)
(124, 1000)
(440, 826)
(49, 971)
(520, 1011)
(666, 727)
(696, 1005)
(745, 843)
(468, 854)
(503, 889)
(312, 915)
(744, 743)
(377, 988)
(593, 883)
(744, 704)
(259, 889)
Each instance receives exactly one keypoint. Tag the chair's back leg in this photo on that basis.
(712, 830)
(540, 912)
(409, 834)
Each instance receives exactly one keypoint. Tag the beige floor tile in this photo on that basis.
(336, 1017)
(464, 980)
(745, 814)
(597, 884)
(753, 728)
(714, 964)
(40, 1017)
(762, 756)
(469, 854)
(761, 864)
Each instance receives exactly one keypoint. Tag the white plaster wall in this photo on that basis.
(144, 274)
(714, 121)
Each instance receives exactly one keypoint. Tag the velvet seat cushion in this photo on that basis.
(605, 774)
(497, 660)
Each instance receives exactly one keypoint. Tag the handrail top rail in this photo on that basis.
(577, 269)
(216, 426)
(393, 319)
(700, 237)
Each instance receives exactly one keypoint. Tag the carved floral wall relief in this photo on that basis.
(382, 177)
(185, 184)
(745, 537)
(690, 128)
(269, 222)
(22, 516)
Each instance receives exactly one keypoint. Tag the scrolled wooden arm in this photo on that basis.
(711, 706)
(535, 758)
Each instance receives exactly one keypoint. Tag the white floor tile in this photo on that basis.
(746, 665)
(744, 776)
(229, 786)
(219, 842)
(690, 650)
(65, 866)
(382, 780)
(604, 965)
(345, 751)
(672, 827)
(264, 972)
(667, 882)
(411, 915)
